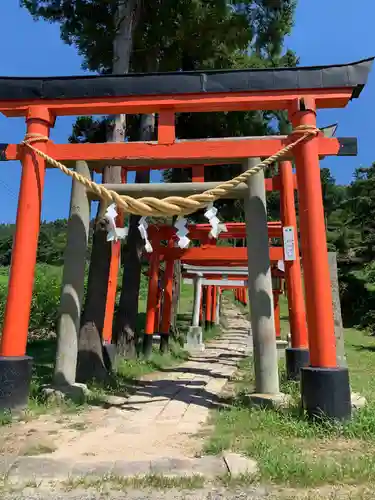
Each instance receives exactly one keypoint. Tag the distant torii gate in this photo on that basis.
(208, 254)
(232, 278)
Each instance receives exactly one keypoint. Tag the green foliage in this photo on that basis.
(51, 245)
(369, 270)
(45, 300)
(179, 34)
(360, 206)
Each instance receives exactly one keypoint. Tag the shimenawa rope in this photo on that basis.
(172, 205)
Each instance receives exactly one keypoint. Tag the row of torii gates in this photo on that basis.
(298, 91)
(211, 269)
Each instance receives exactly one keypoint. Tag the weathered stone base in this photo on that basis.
(357, 401)
(240, 465)
(75, 392)
(279, 400)
(326, 392)
(194, 340)
(15, 378)
(281, 345)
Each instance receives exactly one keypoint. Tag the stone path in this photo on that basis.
(247, 493)
(153, 430)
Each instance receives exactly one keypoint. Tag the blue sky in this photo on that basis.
(325, 32)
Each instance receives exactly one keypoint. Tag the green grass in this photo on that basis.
(294, 452)
(149, 481)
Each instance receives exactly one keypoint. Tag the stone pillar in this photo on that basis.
(194, 339)
(260, 287)
(73, 282)
(339, 330)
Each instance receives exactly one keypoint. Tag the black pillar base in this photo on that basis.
(109, 355)
(147, 345)
(325, 392)
(295, 359)
(164, 341)
(15, 378)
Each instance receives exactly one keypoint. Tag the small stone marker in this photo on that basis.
(239, 465)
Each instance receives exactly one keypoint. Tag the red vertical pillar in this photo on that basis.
(324, 386)
(111, 291)
(208, 305)
(113, 278)
(276, 312)
(214, 302)
(152, 300)
(158, 310)
(21, 280)
(15, 367)
(167, 303)
(297, 355)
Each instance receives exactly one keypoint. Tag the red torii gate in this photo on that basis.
(208, 253)
(300, 91)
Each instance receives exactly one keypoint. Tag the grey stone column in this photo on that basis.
(194, 339)
(339, 330)
(73, 282)
(260, 285)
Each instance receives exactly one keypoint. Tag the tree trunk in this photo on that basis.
(124, 332)
(91, 364)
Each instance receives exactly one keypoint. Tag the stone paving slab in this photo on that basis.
(28, 469)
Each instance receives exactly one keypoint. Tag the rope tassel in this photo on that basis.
(182, 232)
(216, 225)
(114, 233)
(143, 226)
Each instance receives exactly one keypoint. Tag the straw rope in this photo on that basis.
(172, 205)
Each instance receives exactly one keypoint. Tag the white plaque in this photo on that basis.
(289, 243)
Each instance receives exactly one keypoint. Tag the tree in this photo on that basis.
(360, 205)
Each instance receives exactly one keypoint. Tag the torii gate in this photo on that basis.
(207, 253)
(217, 278)
(300, 91)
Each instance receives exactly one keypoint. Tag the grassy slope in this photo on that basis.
(289, 449)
